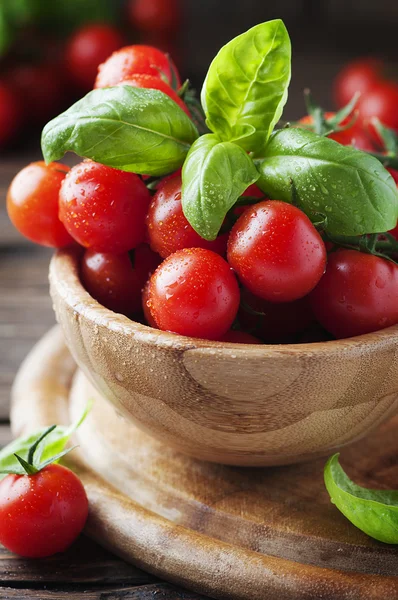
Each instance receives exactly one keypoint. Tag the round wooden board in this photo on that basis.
(229, 532)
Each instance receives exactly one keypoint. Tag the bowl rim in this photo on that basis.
(64, 277)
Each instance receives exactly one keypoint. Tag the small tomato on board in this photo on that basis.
(104, 208)
(381, 102)
(112, 281)
(32, 204)
(276, 251)
(87, 48)
(133, 60)
(195, 293)
(357, 294)
(155, 16)
(168, 228)
(357, 76)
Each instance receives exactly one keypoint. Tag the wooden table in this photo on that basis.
(86, 570)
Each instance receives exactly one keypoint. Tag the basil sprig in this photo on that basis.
(246, 86)
(373, 511)
(132, 129)
(214, 175)
(350, 187)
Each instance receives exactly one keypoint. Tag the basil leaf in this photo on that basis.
(350, 187)
(214, 175)
(246, 86)
(373, 511)
(53, 444)
(132, 129)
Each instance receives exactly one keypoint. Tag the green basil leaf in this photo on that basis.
(246, 86)
(52, 445)
(214, 175)
(373, 511)
(132, 129)
(350, 187)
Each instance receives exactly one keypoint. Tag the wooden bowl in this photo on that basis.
(229, 403)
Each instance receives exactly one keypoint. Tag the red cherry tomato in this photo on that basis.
(32, 204)
(253, 191)
(394, 174)
(42, 514)
(274, 322)
(10, 113)
(239, 337)
(357, 294)
(381, 102)
(155, 16)
(353, 136)
(155, 83)
(88, 47)
(133, 60)
(169, 229)
(146, 307)
(194, 292)
(103, 208)
(112, 281)
(276, 251)
(40, 89)
(358, 76)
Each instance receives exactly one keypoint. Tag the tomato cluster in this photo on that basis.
(266, 277)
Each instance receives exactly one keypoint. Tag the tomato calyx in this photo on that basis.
(31, 465)
(383, 245)
(323, 123)
(190, 97)
(389, 140)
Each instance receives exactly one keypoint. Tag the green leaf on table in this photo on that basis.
(214, 175)
(246, 86)
(132, 129)
(375, 512)
(350, 187)
(52, 444)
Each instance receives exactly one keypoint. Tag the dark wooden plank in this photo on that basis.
(162, 591)
(85, 563)
(5, 435)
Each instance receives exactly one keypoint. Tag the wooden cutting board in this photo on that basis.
(229, 532)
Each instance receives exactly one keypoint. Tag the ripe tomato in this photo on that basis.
(133, 60)
(381, 101)
(168, 228)
(104, 208)
(155, 16)
(40, 88)
(42, 514)
(357, 294)
(155, 83)
(274, 322)
(10, 113)
(32, 204)
(88, 47)
(276, 251)
(353, 136)
(239, 337)
(194, 292)
(358, 76)
(146, 307)
(112, 281)
(394, 174)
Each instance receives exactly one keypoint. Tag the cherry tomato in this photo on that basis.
(104, 208)
(394, 174)
(274, 322)
(358, 76)
(88, 47)
(133, 60)
(155, 16)
(112, 281)
(146, 307)
(155, 83)
(194, 292)
(32, 204)
(276, 251)
(353, 136)
(169, 229)
(10, 113)
(42, 514)
(381, 102)
(357, 294)
(253, 191)
(40, 88)
(239, 337)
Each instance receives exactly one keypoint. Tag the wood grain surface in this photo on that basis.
(229, 532)
(237, 404)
